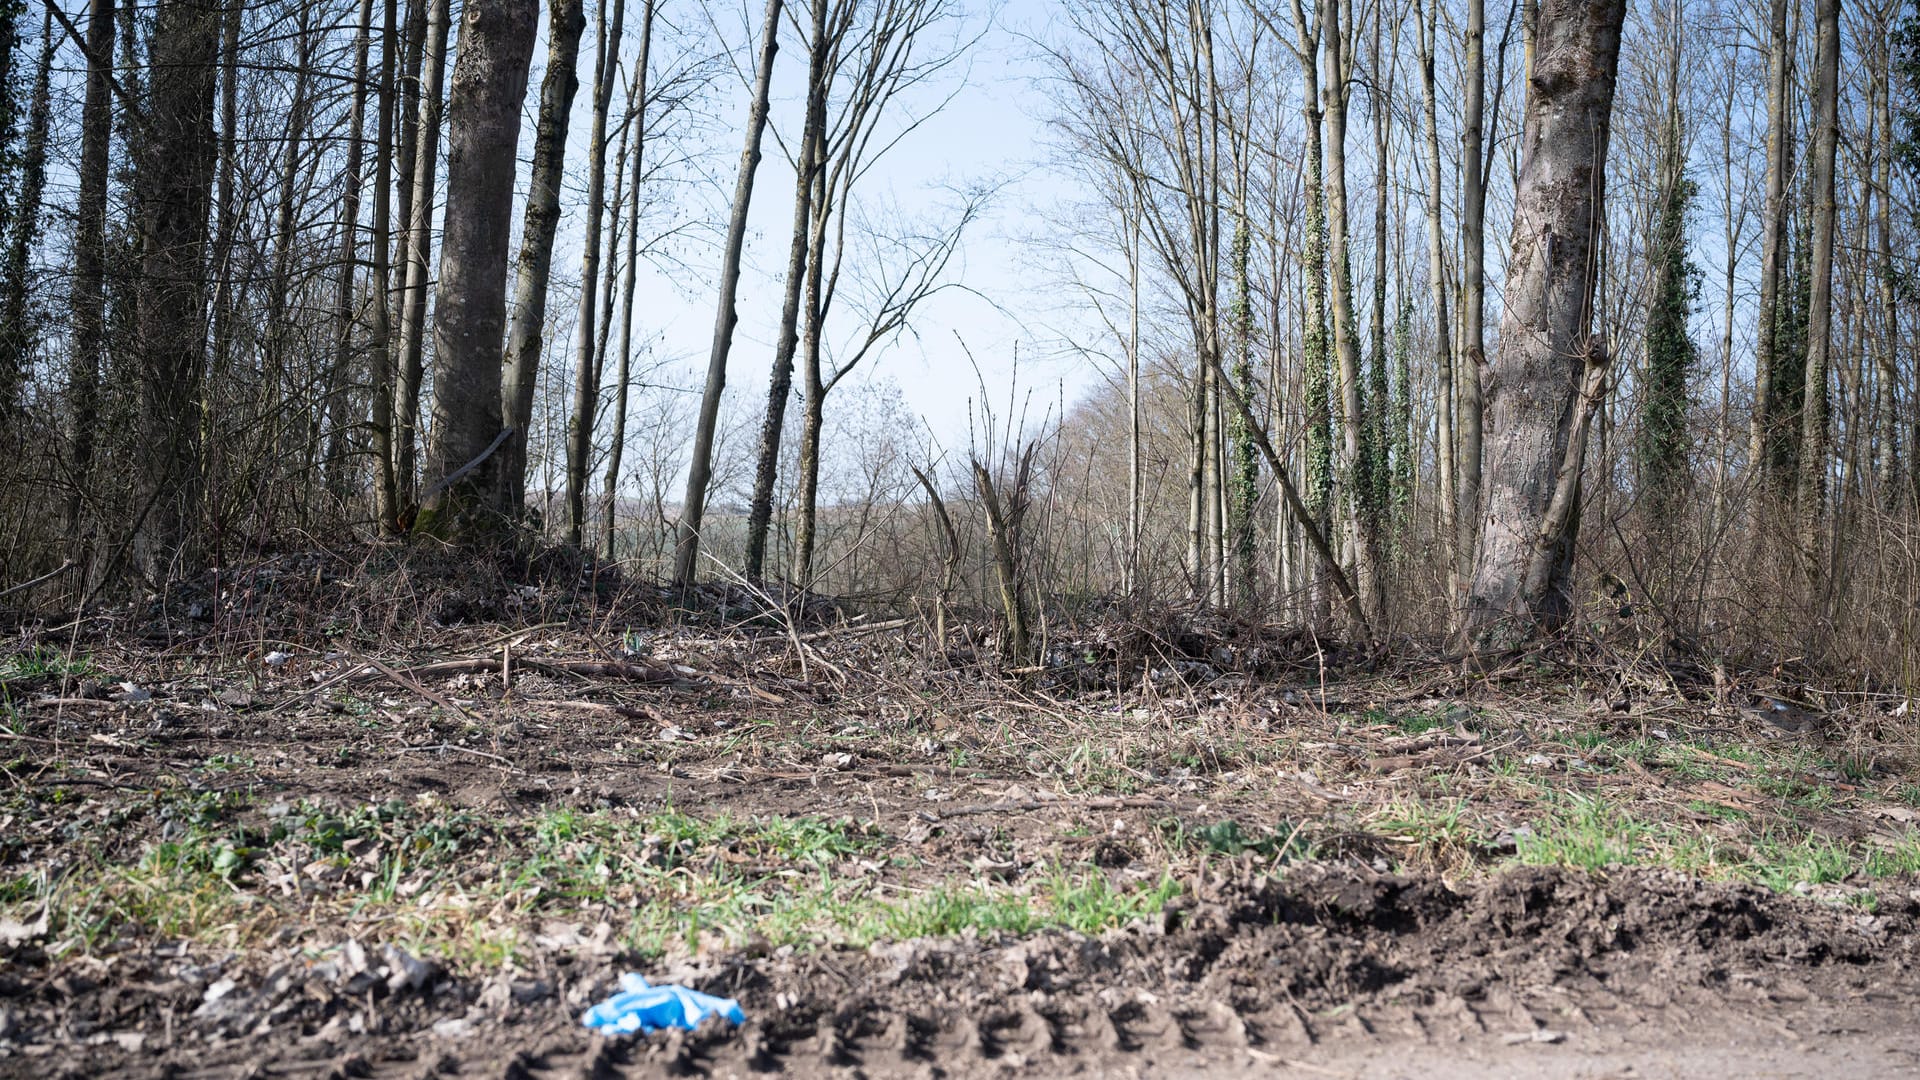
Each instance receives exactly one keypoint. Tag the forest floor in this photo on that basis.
(331, 853)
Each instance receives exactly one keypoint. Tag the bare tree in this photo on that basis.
(467, 487)
(87, 297)
(1550, 372)
(173, 178)
(532, 272)
(693, 506)
(1826, 133)
(419, 240)
(637, 124)
(586, 371)
(809, 162)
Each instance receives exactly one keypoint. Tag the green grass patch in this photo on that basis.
(1591, 834)
(1232, 839)
(468, 888)
(42, 661)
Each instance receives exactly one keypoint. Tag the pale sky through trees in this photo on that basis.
(993, 130)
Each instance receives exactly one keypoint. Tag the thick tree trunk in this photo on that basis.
(521, 368)
(419, 243)
(173, 184)
(586, 371)
(693, 507)
(1550, 374)
(87, 297)
(467, 494)
(1826, 128)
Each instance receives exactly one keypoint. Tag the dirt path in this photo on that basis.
(1320, 972)
(278, 871)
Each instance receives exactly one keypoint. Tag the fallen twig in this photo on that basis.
(407, 681)
(444, 747)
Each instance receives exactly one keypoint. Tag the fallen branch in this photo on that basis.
(1131, 802)
(441, 748)
(48, 576)
(405, 680)
(852, 631)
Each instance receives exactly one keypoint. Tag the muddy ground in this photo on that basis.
(286, 860)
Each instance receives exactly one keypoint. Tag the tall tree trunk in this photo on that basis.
(227, 195)
(1773, 241)
(1356, 451)
(466, 500)
(1887, 423)
(88, 295)
(16, 329)
(1446, 448)
(521, 369)
(1550, 373)
(275, 382)
(380, 340)
(808, 165)
(1473, 244)
(1814, 408)
(1317, 375)
(173, 189)
(813, 410)
(637, 117)
(343, 303)
(586, 370)
(1379, 405)
(693, 507)
(419, 243)
(1131, 575)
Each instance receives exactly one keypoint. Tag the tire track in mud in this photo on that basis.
(1241, 974)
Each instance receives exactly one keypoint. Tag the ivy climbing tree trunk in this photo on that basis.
(1826, 131)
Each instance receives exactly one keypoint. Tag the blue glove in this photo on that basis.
(645, 1008)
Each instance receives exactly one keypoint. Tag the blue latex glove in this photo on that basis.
(645, 1008)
